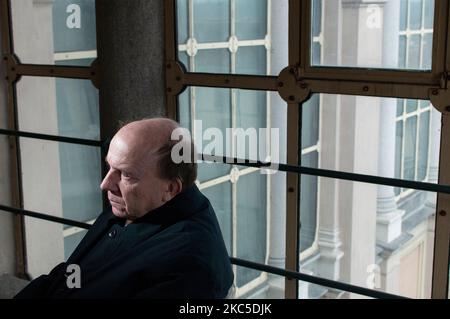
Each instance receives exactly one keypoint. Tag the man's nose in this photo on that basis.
(108, 183)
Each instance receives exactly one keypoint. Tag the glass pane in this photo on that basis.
(400, 107)
(316, 53)
(182, 20)
(184, 109)
(213, 110)
(414, 44)
(48, 31)
(71, 242)
(427, 49)
(402, 52)
(415, 14)
(361, 35)
(424, 136)
(308, 203)
(310, 121)
(213, 61)
(71, 174)
(220, 198)
(251, 60)
(80, 179)
(410, 148)
(211, 20)
(184, 58)
(403, 14)
(429, 14)
(411, 106)
(74, 25)
(251, 19)
(238, 40)
(251, 224)
(57, 106)
(317, 18)
(425, 104)
(362, 135)
(251, 115)
(361, 235)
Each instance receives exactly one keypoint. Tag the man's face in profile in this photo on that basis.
(132, 182)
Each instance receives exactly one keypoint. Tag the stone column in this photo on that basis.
(389, 218)
(329, 236)
(130, 45)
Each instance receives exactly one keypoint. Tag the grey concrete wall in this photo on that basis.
(130, 43)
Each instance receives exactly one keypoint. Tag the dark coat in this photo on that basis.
(174, 251)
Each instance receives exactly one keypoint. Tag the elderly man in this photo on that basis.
(159, 239)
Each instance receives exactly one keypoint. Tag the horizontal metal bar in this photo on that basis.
(370, 179)
(76, 72)
(315, 280)
(248, 82)
(71, 140)
(50, 218)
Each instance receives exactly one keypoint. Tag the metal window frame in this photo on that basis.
(14, 71)
(299, 80)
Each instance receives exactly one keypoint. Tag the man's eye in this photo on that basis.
(126, 175)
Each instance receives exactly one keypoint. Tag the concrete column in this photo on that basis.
(279, 60)
(130, 45)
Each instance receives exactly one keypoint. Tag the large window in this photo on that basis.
(362, 73)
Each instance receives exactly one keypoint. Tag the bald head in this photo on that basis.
(146, 137)
(142, 174)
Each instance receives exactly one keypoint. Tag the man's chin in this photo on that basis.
(121, 213)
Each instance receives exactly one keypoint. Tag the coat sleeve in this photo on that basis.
(41, 286)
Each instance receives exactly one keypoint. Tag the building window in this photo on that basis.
(413, 116)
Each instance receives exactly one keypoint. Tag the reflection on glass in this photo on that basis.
(352, 128)
(308, 203)
(211, 20)
(46, 32)
(366, 34)
(251, 60)
(220, 198)
(251, 19)
(251, 224)
(214, 32)
(362, 231)
(57, 106)
(213, 61)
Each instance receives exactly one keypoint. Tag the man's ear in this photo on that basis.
(174, 187)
